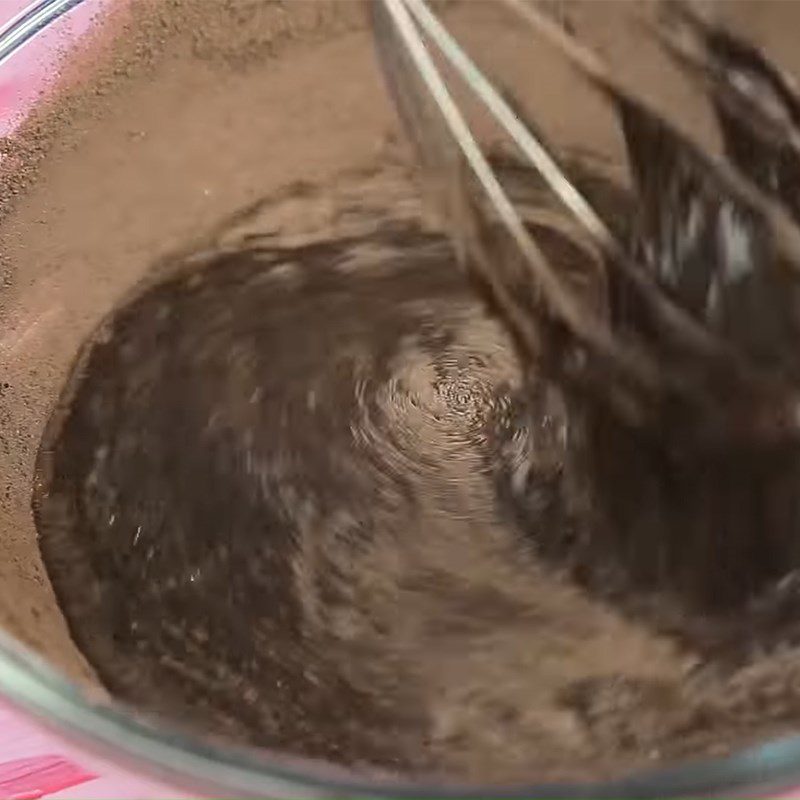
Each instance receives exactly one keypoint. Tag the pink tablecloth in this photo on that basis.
(34, 764)
(36, 66)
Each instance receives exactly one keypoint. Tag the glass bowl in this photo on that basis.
(89, 723)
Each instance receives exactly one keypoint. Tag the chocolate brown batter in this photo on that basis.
(284, 464)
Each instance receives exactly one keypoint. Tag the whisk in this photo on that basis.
(679, 329)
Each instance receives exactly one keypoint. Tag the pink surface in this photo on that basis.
(34, 764)
(38, 776)
(34, 68)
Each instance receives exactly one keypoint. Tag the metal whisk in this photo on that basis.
(672, 335)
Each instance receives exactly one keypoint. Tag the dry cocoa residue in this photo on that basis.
(132, 41)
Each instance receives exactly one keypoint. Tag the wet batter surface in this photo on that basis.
(269, 505)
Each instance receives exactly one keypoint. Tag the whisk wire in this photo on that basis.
(733, 181)
(555, 295)
(451, 152)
